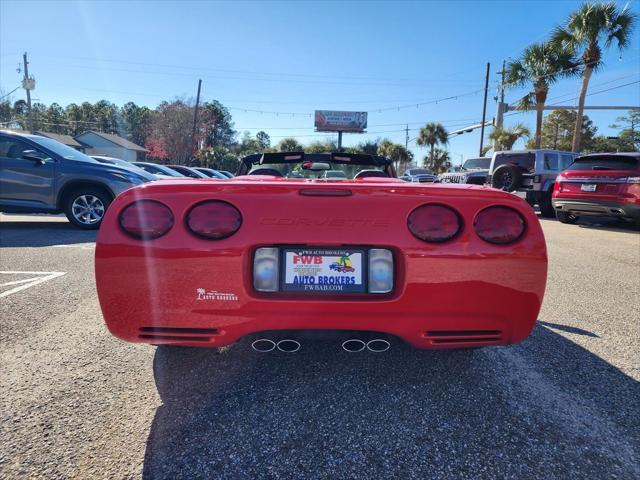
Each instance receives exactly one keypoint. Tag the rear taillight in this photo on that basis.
(499, 225)
(214, 220)
(434, 223)
(146, 219)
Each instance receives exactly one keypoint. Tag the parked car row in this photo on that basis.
(562, 184)
(40, 175)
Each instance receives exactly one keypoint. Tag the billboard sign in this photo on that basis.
(332, 121)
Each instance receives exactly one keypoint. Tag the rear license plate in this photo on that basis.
(323, 270)
(588, 187)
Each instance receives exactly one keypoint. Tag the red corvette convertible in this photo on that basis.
(278, 254)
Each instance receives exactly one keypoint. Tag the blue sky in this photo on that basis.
(293, 58)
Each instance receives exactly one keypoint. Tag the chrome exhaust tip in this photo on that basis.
(263, 345)
(353, 345)
(378, 345)
(288, 345)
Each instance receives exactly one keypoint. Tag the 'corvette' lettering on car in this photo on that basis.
(324, 222)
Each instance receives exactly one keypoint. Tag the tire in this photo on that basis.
(546, 207)
(507, 178)
(85, 207)
(564, 217)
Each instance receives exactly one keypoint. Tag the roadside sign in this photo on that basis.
(336, 121)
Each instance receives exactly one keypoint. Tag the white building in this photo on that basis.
(109, 145)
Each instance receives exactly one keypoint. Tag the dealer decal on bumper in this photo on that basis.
(202, 294)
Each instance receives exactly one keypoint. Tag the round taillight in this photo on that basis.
(434, 223)
(499, 225)
(214, 219)
(146, 219)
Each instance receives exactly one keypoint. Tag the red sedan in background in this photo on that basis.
(204, 264)
(605, 184)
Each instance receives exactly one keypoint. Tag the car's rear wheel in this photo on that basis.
(85, 207)
(564, 217)
(546, 207)
(507, 178)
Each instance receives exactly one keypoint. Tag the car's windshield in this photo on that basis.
(605, 162)
(62, 150)
(419, 171)
(296, 170)
(477, 163)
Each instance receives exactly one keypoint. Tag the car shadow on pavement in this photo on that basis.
(42, 234)
(569, 329)
(546, 408)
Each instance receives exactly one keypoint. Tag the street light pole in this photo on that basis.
(484, 107)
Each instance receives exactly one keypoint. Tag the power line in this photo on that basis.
(6, 95)
(279, 75)
(370, 110)
(517, 112)
(596, 85)
(444, 122)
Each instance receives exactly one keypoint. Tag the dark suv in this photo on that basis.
(41, 175)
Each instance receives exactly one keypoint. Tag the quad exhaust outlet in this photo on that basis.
(377, 345)
(352, 345)
(265, 345)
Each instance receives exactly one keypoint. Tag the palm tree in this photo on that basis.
(438, 162)
(395, 152)
(586, 29)
(432, 134)
(505, 138)
(541, 64)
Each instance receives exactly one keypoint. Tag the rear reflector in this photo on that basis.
(214, 220)
(499, 225)
(146, 219)
(265, 269)
(380, 270)
(434, 223)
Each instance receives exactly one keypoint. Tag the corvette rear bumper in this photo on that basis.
(453, 306)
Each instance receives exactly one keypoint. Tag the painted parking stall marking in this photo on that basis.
(20, 284)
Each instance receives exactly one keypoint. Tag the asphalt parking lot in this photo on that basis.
(77, 403)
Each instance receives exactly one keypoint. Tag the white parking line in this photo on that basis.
(82, 246)
(41, 278)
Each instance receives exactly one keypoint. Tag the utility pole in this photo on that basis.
(28, 84)
(406, 138)
(339, 141)
(195, 118)
(484, 107)
(501, 104)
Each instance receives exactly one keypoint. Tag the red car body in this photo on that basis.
(603, 184)
(183, 289)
